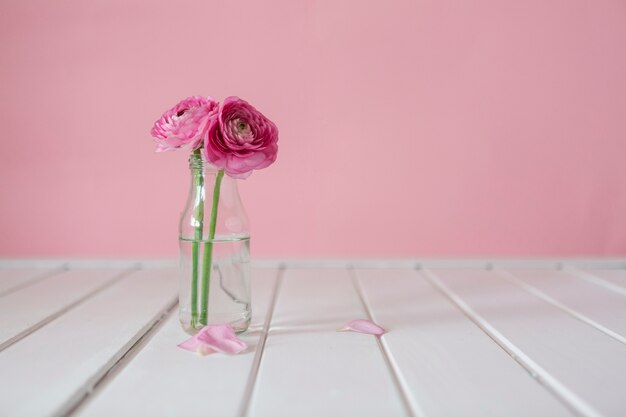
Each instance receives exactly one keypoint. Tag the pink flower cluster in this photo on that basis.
(233, 136)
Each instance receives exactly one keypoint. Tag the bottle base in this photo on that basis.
(239, 326)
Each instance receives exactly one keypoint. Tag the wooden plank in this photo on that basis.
(49, 371)
(447, 364)
(12, 279)
(613, 279)
(581, 365)
(310, 369)
(29, 308)
(163, 380)
(596, 305)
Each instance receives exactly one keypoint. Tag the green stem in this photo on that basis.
(199, 226)
(207, 262)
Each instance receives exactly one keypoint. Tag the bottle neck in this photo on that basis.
(213, 205)
(197, 164)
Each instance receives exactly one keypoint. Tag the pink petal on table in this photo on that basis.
(364, 326)
(193, 345)
(190, 344)
(214, 338)
(221, 338)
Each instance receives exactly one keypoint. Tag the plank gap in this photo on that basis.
(594, 279)
(403, 391)
(34, 280)
(117, 365)
(62, 311)
(510, 277)
(258, 356)
(572, 401)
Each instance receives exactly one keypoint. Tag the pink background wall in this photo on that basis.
(408, 128)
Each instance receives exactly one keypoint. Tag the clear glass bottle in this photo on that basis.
(214, 245)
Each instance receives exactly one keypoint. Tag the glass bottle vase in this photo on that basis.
(214, 244)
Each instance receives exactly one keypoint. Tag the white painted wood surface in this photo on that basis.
(447, 364)
(569, 357)
(319, 370)
(613, 279)
(212, 385)
(47, 372)
(34, 305)
(13, 279)
(540, 338)
(594, 304)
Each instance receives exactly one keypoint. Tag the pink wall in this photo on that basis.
(408, 128)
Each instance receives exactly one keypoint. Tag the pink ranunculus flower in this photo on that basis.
(240, 139)
(185, 124)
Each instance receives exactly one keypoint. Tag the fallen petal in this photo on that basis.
(214, 338)
(193, 345)
(221, 338)
(190, 344)
(364, 326)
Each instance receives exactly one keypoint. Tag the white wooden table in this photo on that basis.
(475, 339)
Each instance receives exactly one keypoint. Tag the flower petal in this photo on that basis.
(364, 326)
(240, 139)
(184, 125)
(221, 338)
(193, 345)
(214, 338)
